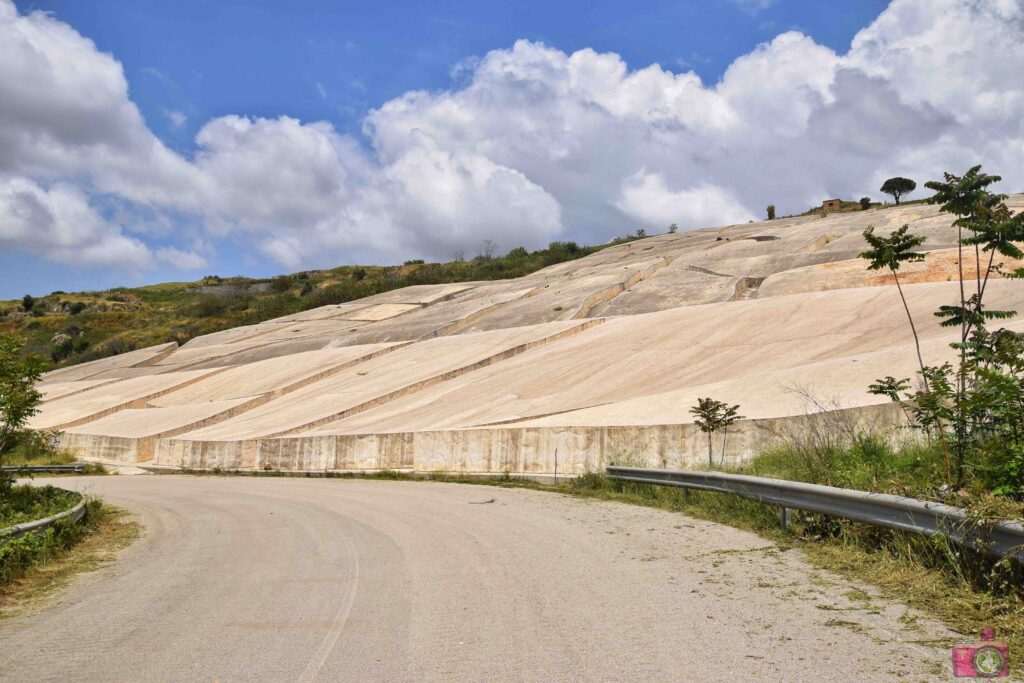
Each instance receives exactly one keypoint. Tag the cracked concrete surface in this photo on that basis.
(602, 354)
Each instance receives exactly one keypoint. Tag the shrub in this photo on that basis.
(281, 283)
(17, 556)
(116, 347)
(275, 306)
(62, 350)
(216, 305)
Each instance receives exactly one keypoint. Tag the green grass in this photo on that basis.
(33, 567)
(24, 503)
(31, 456)
(869, 463)
(39, 448)
(121, 319)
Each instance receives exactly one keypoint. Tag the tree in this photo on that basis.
(27, 302)
(771, 212)
(487, 249)
(977, 210)
(712, 416)
(892, 252)
(898, 187)
(673, 229)
(993, 229)
(641, 233)
(977, 405)
(891, 387)
(19, 399)
(865, 203)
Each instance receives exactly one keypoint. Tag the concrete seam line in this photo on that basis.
(18, 530)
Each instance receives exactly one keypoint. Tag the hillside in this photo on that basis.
(71, 328)
(578, 363)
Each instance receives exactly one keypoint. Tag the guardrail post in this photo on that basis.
(784, 516)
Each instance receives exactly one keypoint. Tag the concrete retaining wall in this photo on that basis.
(119, 448)
(517, 450)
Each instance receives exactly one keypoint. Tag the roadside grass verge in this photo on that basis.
(34, 566)
(40, 448)
(21, 457)
(963, 589)
(24, 503)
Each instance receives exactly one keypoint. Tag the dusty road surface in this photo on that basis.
(349, 580)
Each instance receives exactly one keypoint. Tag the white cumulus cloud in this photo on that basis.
(65, 112)
(530, 144)
(646, 197)
(176, 118)
(59, 224)
(182, 260)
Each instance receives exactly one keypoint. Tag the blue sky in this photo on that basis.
(149, 141)
(316, 59)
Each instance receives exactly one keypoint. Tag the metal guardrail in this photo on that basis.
(999, 538)
(44, 469)
(18, 530)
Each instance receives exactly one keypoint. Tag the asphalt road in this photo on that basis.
(351, 580)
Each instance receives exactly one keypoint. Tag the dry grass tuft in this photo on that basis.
(930, 591)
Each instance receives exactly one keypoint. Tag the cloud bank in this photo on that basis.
(533, 145)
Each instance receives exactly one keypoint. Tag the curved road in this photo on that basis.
(318, 579)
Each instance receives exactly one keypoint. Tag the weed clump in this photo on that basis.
(18, 555)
